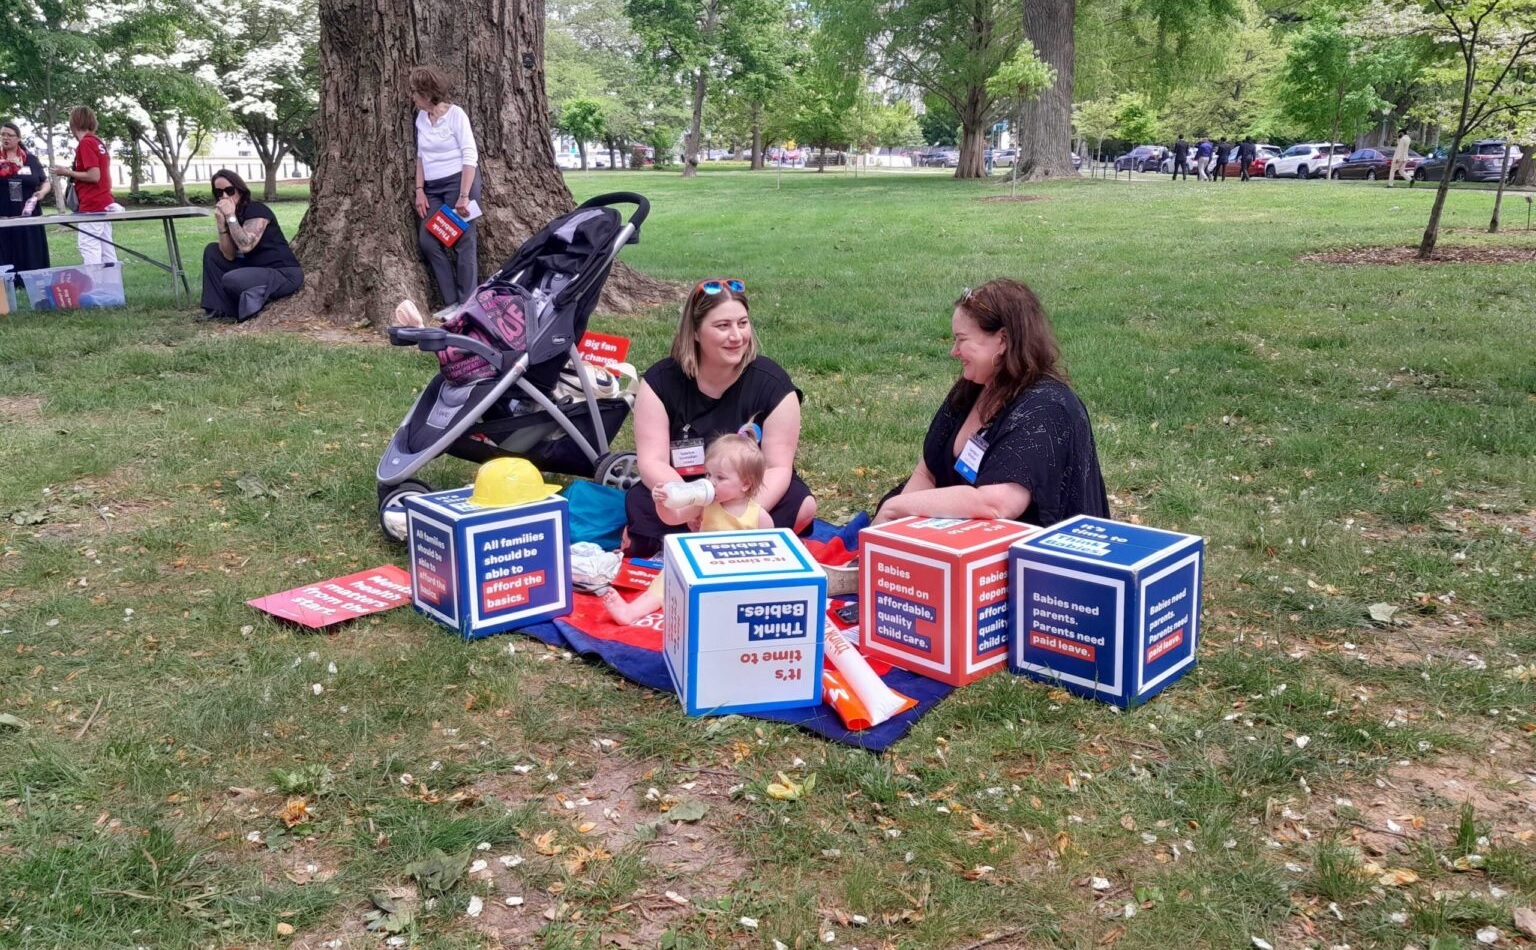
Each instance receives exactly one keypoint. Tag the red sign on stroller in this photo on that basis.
(446, 226)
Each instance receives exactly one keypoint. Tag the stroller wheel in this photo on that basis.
(618, 470)
(392, 512)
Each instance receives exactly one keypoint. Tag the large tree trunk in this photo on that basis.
(1525, 173)
(973, 139)
(357, 242)
(1045, 133)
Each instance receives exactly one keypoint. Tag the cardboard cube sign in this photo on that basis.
(744, 614)
(1107, 610)
(933, 595)
(483, 570)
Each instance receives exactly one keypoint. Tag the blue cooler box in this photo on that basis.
(482, 570)
(1106, 610)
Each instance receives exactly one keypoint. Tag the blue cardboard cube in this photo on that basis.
(744, 616)
(1106, 610)
(482, 570)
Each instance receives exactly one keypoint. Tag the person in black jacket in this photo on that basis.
(1246, 153)
(1181, 158)
(1219, 169)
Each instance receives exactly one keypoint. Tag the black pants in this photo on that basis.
(455, 279)
(1181, 166)
(231, 288)
(1242, 174)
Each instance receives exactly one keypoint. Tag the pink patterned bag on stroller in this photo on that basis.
(497, 315)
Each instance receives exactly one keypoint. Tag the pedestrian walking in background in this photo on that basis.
(1219, 168)
(1181, 158)
(1203, 153)
(1246, 153)
(1399, 157)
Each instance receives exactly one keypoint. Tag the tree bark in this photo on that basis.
(757, 137)
(1498, 199)
(695, 131)
(1525, 174)
(1045, 135)
(357, 241)
(973, 136)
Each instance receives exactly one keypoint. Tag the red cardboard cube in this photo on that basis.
(933, 595)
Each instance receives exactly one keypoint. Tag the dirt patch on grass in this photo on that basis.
(317, 330)
(1015, 198)
(1412, 802)
(1521, 524)
(615, 817)
(21, 409)
(1410, 255)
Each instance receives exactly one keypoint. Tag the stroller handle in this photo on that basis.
(636, 218)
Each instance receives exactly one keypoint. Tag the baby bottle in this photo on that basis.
(682, 495)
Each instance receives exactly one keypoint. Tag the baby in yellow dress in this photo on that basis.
(735, 467)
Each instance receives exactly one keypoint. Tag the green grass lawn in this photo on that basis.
(176, 770)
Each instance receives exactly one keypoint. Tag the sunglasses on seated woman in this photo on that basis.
(228, 192)
(712, 287)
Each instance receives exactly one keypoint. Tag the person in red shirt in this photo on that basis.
(92, 175)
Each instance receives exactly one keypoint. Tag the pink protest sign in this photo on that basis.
(356, 595)
(600, 349)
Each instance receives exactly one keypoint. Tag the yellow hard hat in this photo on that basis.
(503, 482)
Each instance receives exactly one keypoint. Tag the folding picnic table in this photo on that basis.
(166, 216)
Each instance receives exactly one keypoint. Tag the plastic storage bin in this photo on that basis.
(75, 286)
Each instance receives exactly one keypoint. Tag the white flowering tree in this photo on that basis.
(164, 90)
(1488, 46)
(47, 60)
(267, 62)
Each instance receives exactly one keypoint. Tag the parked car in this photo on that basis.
(1479, 161)
(1004, 157)
(1261, 156)
(1308, 160)
(1374, 163)
(1077, 160)
(1142, 158)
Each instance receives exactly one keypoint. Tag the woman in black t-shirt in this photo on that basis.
(251, 264)
(1012, 440)
(713, 383)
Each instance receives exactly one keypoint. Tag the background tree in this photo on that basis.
(582, 119)
(164, 87)
(1491, 42)
(1021, 80)
(1095, 121)
(47, 59)
(699, 41)
(948, 49)
(1136, 120)
(1327, 82)
(357, 242)
(266, 56)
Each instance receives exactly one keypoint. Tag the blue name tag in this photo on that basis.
(969, 462)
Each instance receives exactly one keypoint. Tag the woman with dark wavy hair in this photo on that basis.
(1012, 440)
(251, 264)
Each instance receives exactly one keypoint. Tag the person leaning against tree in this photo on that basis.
(92, 176)
(1012, 440)
(447, 176)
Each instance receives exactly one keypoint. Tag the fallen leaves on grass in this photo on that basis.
(438, 872)
(296, 812)
(786, 790)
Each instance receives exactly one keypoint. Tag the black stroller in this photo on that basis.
(510, 371)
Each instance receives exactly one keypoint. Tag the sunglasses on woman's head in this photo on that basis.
(712, 287)
(228, 192)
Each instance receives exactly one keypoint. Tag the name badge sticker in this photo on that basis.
(969, 462)
(688, 457)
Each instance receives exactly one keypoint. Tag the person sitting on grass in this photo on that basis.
(735, 464)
